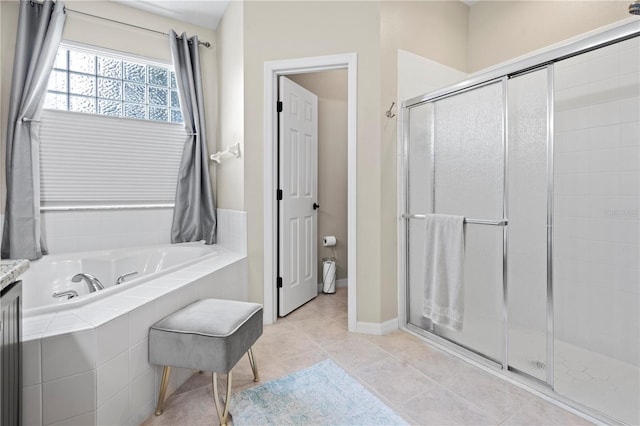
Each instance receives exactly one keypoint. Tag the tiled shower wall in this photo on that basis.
(596, 229)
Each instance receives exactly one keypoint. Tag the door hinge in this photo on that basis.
(279, 195)
(279, 106)
(279, 282)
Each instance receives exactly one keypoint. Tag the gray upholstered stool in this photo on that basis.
(208, 335)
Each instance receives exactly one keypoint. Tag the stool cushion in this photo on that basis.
(208, 335)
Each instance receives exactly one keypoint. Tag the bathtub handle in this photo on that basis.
(123, 277)
(69, 294)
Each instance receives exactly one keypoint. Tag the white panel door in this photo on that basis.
(299, 183)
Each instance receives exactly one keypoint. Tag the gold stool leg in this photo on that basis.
(222, 416)
(254, 365)
(163, 389)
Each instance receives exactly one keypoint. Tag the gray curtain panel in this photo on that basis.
(39, 33)
(194, 216)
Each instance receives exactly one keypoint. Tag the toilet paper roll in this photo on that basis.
(329, 241)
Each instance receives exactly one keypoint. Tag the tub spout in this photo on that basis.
(93, 283)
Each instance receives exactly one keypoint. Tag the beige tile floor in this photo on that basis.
(421, 383)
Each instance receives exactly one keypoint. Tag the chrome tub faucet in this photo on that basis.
(93, 283)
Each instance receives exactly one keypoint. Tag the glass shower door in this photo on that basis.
(554, 294)
(456, 167)
(528, 144)
(469, 181)
(419, 192)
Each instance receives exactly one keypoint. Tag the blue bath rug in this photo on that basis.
(323, 394)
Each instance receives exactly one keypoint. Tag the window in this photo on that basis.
(107, 84)
(111, 132)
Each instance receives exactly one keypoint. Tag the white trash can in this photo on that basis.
(329, 276)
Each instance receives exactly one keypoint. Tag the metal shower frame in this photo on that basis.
(628, 29)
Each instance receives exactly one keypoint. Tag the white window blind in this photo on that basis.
(89, 160)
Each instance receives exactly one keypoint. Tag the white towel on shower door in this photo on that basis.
(444, 271)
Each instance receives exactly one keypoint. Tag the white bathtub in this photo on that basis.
(85, 361)
(52, 274)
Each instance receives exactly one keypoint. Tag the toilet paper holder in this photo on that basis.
(329, 241)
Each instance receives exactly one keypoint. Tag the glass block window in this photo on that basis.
(104, 84)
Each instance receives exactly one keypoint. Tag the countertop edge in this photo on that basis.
(10, 270)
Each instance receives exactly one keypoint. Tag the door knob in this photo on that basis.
(316, 206)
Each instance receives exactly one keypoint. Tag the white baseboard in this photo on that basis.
(377, 329)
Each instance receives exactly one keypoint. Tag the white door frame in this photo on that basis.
(272, 70)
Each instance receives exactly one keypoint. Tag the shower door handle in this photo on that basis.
(413, 216)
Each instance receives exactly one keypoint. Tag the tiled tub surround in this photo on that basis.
(232, 230)
(88, 365)
(84, 230)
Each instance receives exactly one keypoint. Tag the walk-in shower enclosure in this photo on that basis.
(542, 159)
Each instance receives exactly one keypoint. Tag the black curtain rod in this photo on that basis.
(203, 43)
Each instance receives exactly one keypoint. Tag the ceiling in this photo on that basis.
(205, 13)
